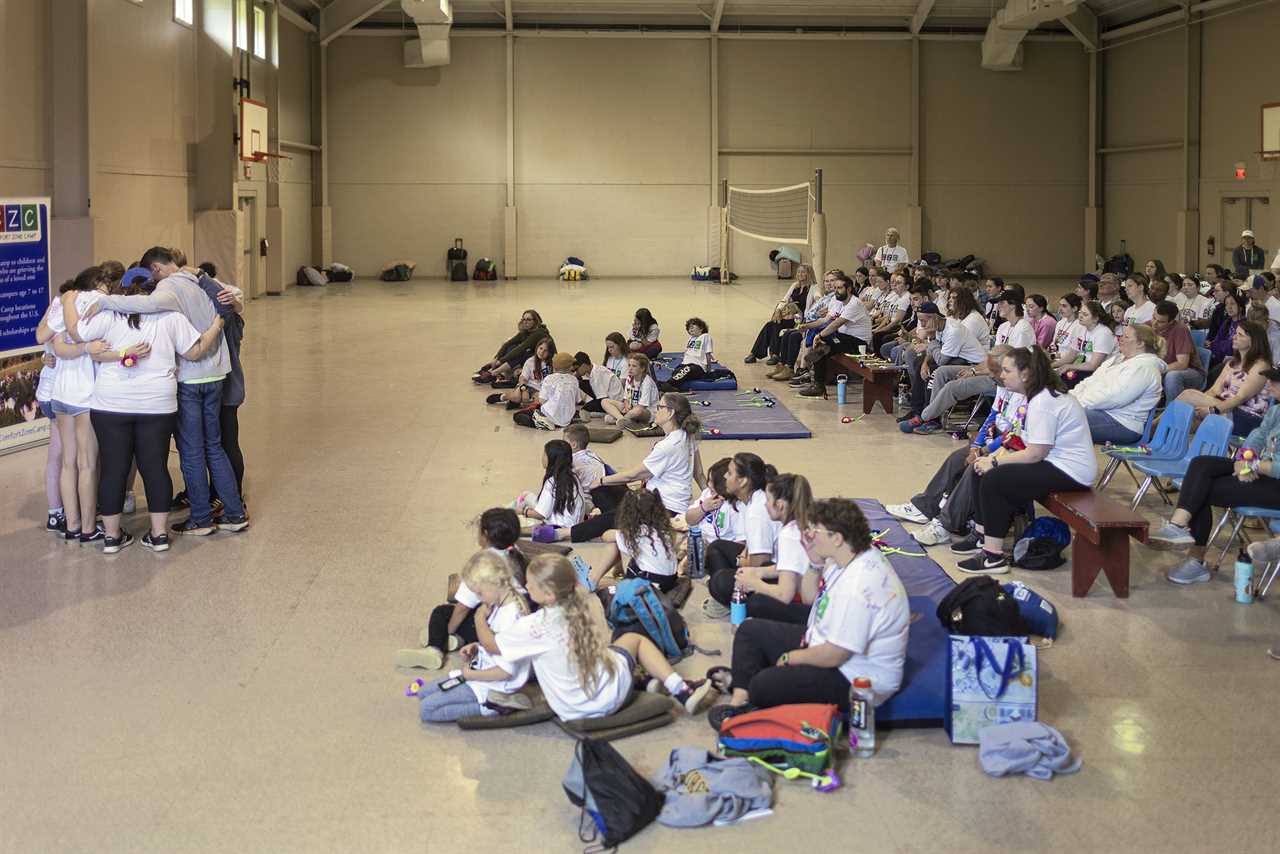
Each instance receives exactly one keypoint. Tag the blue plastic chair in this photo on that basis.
(1199, 336)
(1205, 356)
(1168, 441)
(1272, 515)
(1210, 440)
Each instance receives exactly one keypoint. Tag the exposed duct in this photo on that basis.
(433, 18)
(1002, 46)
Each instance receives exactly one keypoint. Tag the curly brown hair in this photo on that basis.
(844, 517)
(641, 514)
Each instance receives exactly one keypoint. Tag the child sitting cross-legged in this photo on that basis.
(560, 503)
(490, 682)
(582, 674)
(644, 543)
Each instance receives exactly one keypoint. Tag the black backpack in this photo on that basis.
(620, 802)
(980, 606)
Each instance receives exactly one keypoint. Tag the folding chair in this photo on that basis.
(1205, 356)
(1242, 513)
(1210, 440)
(1166, 440)
(1198, 337)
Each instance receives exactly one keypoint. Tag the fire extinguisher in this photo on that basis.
(1211, 246)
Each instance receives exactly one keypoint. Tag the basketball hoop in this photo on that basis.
(273, 163)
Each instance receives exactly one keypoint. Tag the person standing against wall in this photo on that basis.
(1248, 255)
(891, 256)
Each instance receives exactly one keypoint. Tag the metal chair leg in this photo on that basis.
(1107, 473)
(1264, 582)
(1131, 472)
(1222, 520)
(1235, 533)
(1142, 490)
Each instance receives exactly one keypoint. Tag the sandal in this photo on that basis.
(722, 678)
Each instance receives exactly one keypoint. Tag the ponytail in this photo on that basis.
(683, 414)
(793, 489)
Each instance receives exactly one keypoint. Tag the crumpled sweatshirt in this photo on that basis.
(1030, 747)
(700, 788)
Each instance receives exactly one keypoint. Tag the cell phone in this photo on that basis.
(451, 683)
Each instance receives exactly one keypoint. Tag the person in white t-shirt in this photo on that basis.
(639, 394)
(1016, 331)
(1067, 329)
(557, 400)
(891, 256)
(1194, 308)
(582, 674)
(134, 409)
(56, 520)
(857, 627)
(490, 682)
(644, 544)
(588, 469)
(1135, 287)
(645, 334)
(848, 328)
(529, 380)
(452, 624)
(773, 593)
(597, 382)
(560, 502)
(674, 460)
(745, 479)
(615, 354)
(699, 356)
(1058, 457)
(1094, 342)
(716, 513)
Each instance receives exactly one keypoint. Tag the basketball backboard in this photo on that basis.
(1270, 132)
(253, 129)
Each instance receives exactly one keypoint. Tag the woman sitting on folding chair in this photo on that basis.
(1253, 480)
(1238, 392)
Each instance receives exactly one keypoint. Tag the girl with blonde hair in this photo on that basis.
(581, 673)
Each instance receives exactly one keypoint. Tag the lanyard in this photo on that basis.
(877, 540)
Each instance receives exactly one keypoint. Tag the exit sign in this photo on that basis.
(1239, 172)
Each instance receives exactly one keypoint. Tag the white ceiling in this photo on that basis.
(771, 14)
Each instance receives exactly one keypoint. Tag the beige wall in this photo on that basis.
(24, 98)
(295, 126)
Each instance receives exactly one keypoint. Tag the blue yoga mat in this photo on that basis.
(665, 365)
(745, 415)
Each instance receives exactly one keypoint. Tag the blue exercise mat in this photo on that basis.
(745, 415)
(665, 365)
(921, 701)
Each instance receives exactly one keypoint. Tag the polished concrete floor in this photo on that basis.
(237, 693)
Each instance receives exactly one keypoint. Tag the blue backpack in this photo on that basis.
(637, 607)
(1037, 612)
(1041, 544)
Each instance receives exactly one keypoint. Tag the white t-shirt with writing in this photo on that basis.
(695, 352)
(500, 619)
(1135, 314)
(890, 257)
(670, 464)
(1059, 421)
(959, 342)
(1099, 339)
(73, 378)
(151, 386)
(1006, 408)
(543, 639)
(643, 393)
(560, 394)
(1199, 307)
(605, 384)
(567, 517)
(725, 523)
(1017, 334)
(856, 320)
(650, 554)
(863, 609)
(1065, 334)
(761, 531)
(529, 375)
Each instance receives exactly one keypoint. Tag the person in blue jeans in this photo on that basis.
(200, 385)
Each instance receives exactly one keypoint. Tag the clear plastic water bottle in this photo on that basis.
(697, 558)
(862, 718)
(738, 607)
(842, 388)
(1244, 577)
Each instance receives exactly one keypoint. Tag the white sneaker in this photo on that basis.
(429, 658)
(908, 513)
(932, 534)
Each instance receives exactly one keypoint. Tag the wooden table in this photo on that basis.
(878, 383)
(1102, 529)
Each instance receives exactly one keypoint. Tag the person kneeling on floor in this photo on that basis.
(857, 626)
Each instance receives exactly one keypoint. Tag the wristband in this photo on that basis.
(782, 662)
(129, 360)
(995, 461)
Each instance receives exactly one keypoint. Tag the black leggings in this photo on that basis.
(438, 627)
(789, 348)
(1211, 482)
(767, 608)
(769, 341)
(758, 644)
(721, 563)
(121, 439)
(607, 499)
(229, 419)
(1006, 490)
(682, 376)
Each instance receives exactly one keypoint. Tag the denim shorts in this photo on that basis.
(46, 408)
(66, 409)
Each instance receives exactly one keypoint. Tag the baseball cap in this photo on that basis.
(1247, 233)
(561, 362)
(928, 308)
(134, 276)
(1088, 277)
(1259, 282)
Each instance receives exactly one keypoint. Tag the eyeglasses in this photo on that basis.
(662, 406)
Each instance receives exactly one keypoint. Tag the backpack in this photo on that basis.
(339, 273)
(1119, 264)
(702, 274)
(309, 276)
(403, 273)
(1040, 545)
(486, 270)
(797, 735)
(933, 259)
(637, 607)
(603, 785)
(1037, 612)
(980, 606)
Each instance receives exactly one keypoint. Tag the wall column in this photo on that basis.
(70, 146)
(1188, 220)
(913, 229)
(510, 232)
(1093, 222)
(321, 213)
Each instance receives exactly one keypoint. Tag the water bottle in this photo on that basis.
(1244, 577)
(738, 607)
(842, 388)
(697, 565)
(862, 718)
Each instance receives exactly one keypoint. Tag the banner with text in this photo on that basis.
(24, 296)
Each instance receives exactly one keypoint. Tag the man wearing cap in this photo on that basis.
(1259, 295)
(1247, 256)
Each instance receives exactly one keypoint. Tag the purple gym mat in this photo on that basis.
(920, 575)
(746, 414)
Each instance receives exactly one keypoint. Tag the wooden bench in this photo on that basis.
(1101, 544)
(878, 383)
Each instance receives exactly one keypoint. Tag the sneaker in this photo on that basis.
(910, 424)
(801, 380)
(714, 609)
(814, 390)
(772, 360)
(932, 534)
(1274, 652)
(429, 658)
(496, 397)
(192, 528)
(907, 416)
(130, 503)
(234, 524)
(985, 564)
(56, 523)
(1190, 571)
(454, 643)
(217, 508)
(180, 501)
(719, 714)
(99, 533)
(71, 534)
(111, 545)
(971, 544)
(696, 696)
(505, 704)
(1171, 536)
(155, 542)
(750, 360)
(928, 428)
(907, 512)
(782, 374)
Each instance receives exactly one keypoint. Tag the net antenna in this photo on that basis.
(778, 215)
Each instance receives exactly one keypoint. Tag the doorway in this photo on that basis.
(246, 240)
(1253, 213)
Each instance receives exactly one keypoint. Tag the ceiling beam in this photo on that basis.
(716, 15)
(1142, 26)
(1083, 24)
(922, 14)
(341, 15)
(294, 18)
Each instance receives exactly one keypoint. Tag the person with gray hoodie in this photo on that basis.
(1120, 394)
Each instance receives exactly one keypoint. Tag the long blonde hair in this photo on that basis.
(491, 569)
(588, 634)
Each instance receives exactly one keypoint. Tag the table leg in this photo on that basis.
(874, 391)
(1110, 555)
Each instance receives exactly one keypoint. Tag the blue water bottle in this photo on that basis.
(738, 607)
(842, 388)
(1244, 577)
(697, 560)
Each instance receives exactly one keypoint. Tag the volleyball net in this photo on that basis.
(777, 215)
